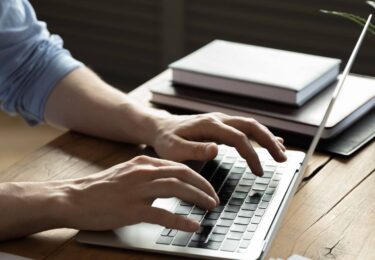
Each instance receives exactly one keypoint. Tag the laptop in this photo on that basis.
(251, 208)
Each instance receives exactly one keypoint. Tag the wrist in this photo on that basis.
(146, 123)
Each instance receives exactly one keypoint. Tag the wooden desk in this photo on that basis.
(331, 216)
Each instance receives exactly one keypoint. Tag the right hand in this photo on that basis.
(123, 195)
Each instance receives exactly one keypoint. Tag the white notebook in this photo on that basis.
(259, 72)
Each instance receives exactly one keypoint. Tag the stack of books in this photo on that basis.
(281, 89)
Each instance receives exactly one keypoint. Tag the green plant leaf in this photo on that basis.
(354, 18)
(371, 3)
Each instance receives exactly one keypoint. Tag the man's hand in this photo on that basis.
(119, 196)
(84, 103)
(182, 138)
(123, 194)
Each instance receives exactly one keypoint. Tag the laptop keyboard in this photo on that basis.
(244, 199)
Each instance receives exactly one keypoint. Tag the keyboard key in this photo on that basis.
(260, 212)
(239, 195)
(267, 174)
(230, 245)
(277, 177)
(209, 245)
(256, 219)
(197, 217)
(209, 169)
(198, 211)
(165, 231)
(270, 191)
(248, 235)
(269, 168)
(239, 170)
(245, 213)
(238, 228)
(228, 215)
(164, 240)
(224, 222)
(213, 245)
(248, 206)
(273, 184)
(241, 164)
(254, 199)
(182, 238)
(246, 182)
(263, 205)
(199, 237)
(226, 166)
(224, 197)
(218, 209)
(235, 235)
(242, 221)
(264, 181)
(244, 189)
(212, 215)
(182, 210)
(259, 187)
(235, 176)
(183, 203)
(208, 222)
(204, 230)
(217, 237)
(252, 227)
(235, 202)
(244, 244)
(232, 208)
(220, 230)
(173, 232)
(267, 197)
(232, 183)
(229, 159)
(249, 176)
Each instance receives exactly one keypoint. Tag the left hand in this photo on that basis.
(194, 137)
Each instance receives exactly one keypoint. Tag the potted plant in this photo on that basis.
(354, 18)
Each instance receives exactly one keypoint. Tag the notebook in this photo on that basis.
(254, 71)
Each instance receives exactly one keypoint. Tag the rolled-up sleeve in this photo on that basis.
(32, 61)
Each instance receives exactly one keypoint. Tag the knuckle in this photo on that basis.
(242, 137)
(252, 121)
(171, 182)
(141, 159)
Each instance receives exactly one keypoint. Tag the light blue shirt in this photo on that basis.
(32, 61)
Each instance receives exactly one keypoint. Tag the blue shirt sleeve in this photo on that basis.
(32, 61)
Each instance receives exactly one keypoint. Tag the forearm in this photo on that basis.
(28, 208)
(83, 102)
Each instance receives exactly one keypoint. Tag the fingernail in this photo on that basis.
(213, 202)
(282, 155)
(211, 149)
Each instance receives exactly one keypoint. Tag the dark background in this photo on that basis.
(129, 41)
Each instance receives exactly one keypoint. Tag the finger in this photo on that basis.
(280, 139)
(260, 133)
(143, 159)
(190, 150)
(172, 187)
(167, 219)
(187, 175)
(222, 133)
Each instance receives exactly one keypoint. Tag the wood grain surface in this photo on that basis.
(331, 216)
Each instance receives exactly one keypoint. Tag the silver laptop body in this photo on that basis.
(244, 236)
